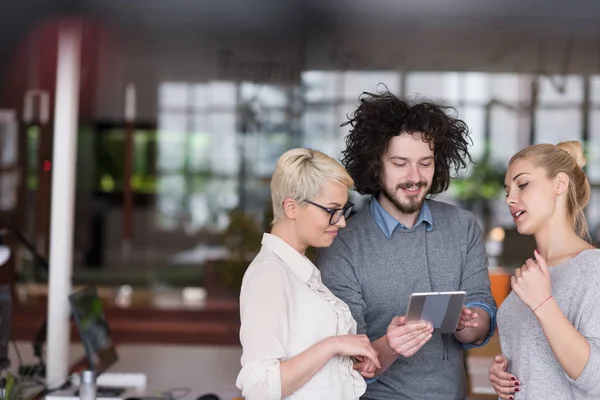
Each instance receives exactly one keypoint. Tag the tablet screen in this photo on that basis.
(441, 309)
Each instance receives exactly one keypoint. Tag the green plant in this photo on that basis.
(242, 238)
(18, 388)
(485, 182)
(310, 253)
(477, 191)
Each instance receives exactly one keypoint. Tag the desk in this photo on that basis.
(70, 395)
(201, 369)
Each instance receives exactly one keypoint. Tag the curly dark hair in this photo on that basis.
(380, 117)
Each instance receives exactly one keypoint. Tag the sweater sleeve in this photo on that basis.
(588, 324)
(475, 278)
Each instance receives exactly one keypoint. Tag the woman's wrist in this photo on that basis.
(541, 304)
(331, 345)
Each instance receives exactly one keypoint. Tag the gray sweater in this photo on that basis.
(375, 276)
(576, 289)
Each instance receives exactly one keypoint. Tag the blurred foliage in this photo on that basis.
(242, 238)
(310, 253)
(109, 155)
(18, 388)
(477, 191)
(485, 182)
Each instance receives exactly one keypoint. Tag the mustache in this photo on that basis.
(407, 185)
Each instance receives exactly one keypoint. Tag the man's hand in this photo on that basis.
(473, 326)
(468, 319)
(504, 384)
(406, 339)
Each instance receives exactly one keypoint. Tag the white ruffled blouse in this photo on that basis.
(285, 308)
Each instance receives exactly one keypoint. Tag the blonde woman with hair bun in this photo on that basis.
(550, 323)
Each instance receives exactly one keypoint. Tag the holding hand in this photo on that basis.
(467, 319)
(357, 346)
(365, 366)
(406, 339)
(504, 384)
(532, 283)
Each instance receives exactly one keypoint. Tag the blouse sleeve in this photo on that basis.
(264, 307)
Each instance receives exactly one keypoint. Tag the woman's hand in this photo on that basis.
(365, 366)
(505, 385)
(532, 283)
(354, 346)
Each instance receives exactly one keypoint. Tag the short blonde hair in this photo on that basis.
(566, 157)
(300, 175)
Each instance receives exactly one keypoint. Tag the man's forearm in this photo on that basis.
(478, 334)
(387, 356)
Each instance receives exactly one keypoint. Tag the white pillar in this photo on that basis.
(66, 107)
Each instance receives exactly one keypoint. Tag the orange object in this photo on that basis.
(500, 285)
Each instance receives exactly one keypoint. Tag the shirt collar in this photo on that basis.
(300, 265)
(388, 224)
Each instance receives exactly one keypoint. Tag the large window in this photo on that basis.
(196, 148)
(215, 145)
(559, 114)
(329, 99)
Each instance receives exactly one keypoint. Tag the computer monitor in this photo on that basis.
(94, 330)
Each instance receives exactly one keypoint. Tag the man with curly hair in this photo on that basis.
(403, 154)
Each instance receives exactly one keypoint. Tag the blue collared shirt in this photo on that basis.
(388, 224)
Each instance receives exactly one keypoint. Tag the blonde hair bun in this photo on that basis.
(575, 150)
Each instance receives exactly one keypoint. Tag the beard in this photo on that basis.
(412, 204)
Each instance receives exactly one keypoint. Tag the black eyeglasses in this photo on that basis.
(335, 214)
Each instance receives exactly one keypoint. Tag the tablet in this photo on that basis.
(441, 309)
